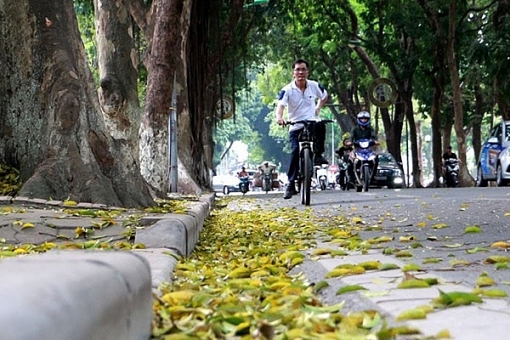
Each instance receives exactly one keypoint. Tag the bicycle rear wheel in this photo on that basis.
(307, 177)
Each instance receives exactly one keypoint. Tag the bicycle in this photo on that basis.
(306, 158)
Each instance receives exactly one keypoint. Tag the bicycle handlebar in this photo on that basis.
(306, 121)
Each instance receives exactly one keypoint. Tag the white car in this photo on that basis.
(225, 184)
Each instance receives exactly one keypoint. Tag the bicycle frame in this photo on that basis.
(306, 159)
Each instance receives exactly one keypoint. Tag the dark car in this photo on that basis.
(389, 172)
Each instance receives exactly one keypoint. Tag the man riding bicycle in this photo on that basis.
(303, 98)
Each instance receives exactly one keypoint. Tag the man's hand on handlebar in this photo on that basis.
(281, 122)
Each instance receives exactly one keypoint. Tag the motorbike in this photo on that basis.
(322, 176)
(452, 169)
(364, 162)
(244, 184)
(342, 177)
(267, 182)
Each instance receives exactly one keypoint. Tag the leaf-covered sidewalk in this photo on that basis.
(237, 285)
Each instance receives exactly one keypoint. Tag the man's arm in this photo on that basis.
(279, 115)
(320, 104)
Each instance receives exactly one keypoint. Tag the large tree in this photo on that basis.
(52, 126)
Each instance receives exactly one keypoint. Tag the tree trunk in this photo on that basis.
(465, 177)
(447, 134)
(437, 99)
(154, 151)
(118, 71)
(52, 128)
(409, 112)
(477, 121)
(438, 82)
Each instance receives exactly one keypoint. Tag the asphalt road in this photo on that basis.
(435, 220)
(429, 224)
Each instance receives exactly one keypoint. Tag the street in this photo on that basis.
(449, 234)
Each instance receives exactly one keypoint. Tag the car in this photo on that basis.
(389, 172)
(225, 184)
(494, 161)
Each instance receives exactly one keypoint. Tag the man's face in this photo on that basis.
(300, 71)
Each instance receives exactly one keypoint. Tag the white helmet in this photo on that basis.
(363, 114)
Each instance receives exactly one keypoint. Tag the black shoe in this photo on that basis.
(287, 194)
(292, 188)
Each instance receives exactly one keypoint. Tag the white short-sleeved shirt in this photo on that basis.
(301, 105)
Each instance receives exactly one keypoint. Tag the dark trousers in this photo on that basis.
(292, 172)
(320, 136)
(319, 131)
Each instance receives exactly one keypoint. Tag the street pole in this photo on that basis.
(172, 142)
(332, 144)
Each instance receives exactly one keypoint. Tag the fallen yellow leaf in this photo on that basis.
(27, 225)
(501, 244)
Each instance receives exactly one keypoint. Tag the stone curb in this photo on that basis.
(95, 295)
(76, 295)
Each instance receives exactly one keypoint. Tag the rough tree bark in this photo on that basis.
(166, 23)
(118, 71)
(52, 128)
(162, 65)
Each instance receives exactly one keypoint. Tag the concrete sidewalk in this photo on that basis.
(87, 294)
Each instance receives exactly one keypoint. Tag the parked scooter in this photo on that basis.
(321, 172)
(452, 169)
(364, 162)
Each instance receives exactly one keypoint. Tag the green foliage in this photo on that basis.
(251, 126)
(85, 15)
(398, 37)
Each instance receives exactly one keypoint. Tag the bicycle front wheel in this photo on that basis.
(307, 177)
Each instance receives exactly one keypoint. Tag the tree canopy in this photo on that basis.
(448, 63)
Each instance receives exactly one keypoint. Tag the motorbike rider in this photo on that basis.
(343, 153)
(447, 155)
(266, 168)
(243, 173)
(363, 130)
